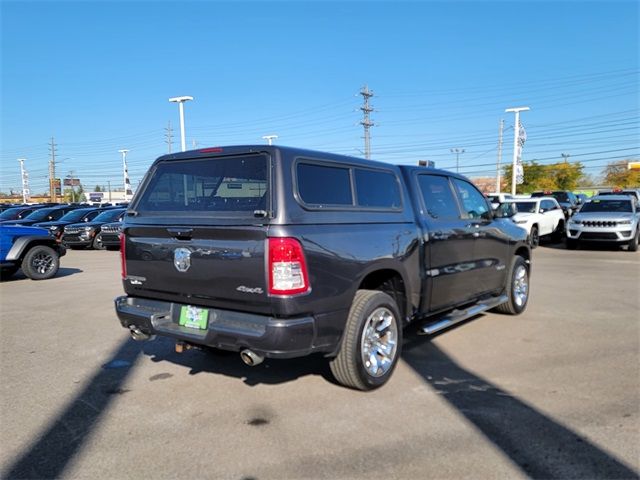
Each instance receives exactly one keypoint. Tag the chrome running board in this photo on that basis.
(458, 316)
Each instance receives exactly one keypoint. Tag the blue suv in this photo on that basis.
(32, 249)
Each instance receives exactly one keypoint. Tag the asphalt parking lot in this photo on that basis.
(553, 393)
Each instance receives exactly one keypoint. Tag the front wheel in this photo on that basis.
(371, 342)
(97, 242)
(40, 263)
(517, 289)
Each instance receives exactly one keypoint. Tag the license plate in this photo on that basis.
(194, 317)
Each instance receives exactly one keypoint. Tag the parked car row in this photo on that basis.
(612, 216)
(74, 225)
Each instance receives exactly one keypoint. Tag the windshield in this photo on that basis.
(10, 214)
(109, 216)
(39, 214)
(526, 207)
(229, 186)
(75, 215)
(607, 206)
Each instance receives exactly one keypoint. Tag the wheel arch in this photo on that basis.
(21, 245)
(391, 282)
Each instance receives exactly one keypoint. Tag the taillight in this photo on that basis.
(287, 267)
(123, 260)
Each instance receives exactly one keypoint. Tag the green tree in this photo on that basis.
(97, 188)
(567, 175)
(74, 195)
(617, 174)
(558, 176)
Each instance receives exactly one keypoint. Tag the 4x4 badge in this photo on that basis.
(182, 259)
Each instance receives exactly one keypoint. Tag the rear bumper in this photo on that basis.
(226, 330)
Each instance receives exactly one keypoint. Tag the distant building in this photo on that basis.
(485, 184)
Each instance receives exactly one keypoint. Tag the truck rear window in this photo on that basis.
(230, 184)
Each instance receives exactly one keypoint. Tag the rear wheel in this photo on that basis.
(633, 243)
(517, 290)
(534, 237)
(40, 263)
(558, 233)
(371, 342)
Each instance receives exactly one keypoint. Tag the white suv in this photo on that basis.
(540, 217)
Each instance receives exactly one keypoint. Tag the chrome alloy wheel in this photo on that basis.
(520, 285)
(43, 263)
(379, 342)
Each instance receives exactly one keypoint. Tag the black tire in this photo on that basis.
(8, 272)
(516, 304)
(349, 367)
(40, 263)
(534, 237)
(571, 244)
(97, 243)
(633, 243)
(558, 233)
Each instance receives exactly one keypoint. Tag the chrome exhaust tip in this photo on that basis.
(251, 358)
(137, 334)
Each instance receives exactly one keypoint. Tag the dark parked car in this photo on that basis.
(80, 214)
(29, 248)
(110, 235)
(46, 214)
(10, 215)
(88, 234)
(634, 192)
(281, 252)
(567, 200)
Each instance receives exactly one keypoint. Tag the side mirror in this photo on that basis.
(542, 210)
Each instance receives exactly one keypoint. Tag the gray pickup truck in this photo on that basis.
(281, 252)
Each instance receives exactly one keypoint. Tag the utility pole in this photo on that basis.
(457, 151)
(366, 122)
(516, 133)
(565, 156)
(25, 181)
(52, 171)
(169, 135)
(499, 155)
(109, 187)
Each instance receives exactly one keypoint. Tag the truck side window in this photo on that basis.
(377, 189)
(323, 185)
(438, 197)
(473, 202)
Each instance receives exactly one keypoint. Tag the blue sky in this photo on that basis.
(97, 76)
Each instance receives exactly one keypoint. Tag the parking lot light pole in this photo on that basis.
(180, 101)
(270, 138)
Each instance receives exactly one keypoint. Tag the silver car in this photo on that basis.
(610, 218)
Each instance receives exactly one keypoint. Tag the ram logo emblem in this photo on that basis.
(182, 259)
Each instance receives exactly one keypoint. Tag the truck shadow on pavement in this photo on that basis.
(539, 446)
(64, 437)
(535, 443)
(271, 371)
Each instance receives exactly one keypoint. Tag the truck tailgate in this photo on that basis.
(218, 266)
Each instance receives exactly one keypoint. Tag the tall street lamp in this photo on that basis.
(180, 101)
(125, 172)
(516, 133)
(270, 138)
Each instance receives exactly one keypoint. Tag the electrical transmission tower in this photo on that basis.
(52, 171)
(168, 135)
(366, 122)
